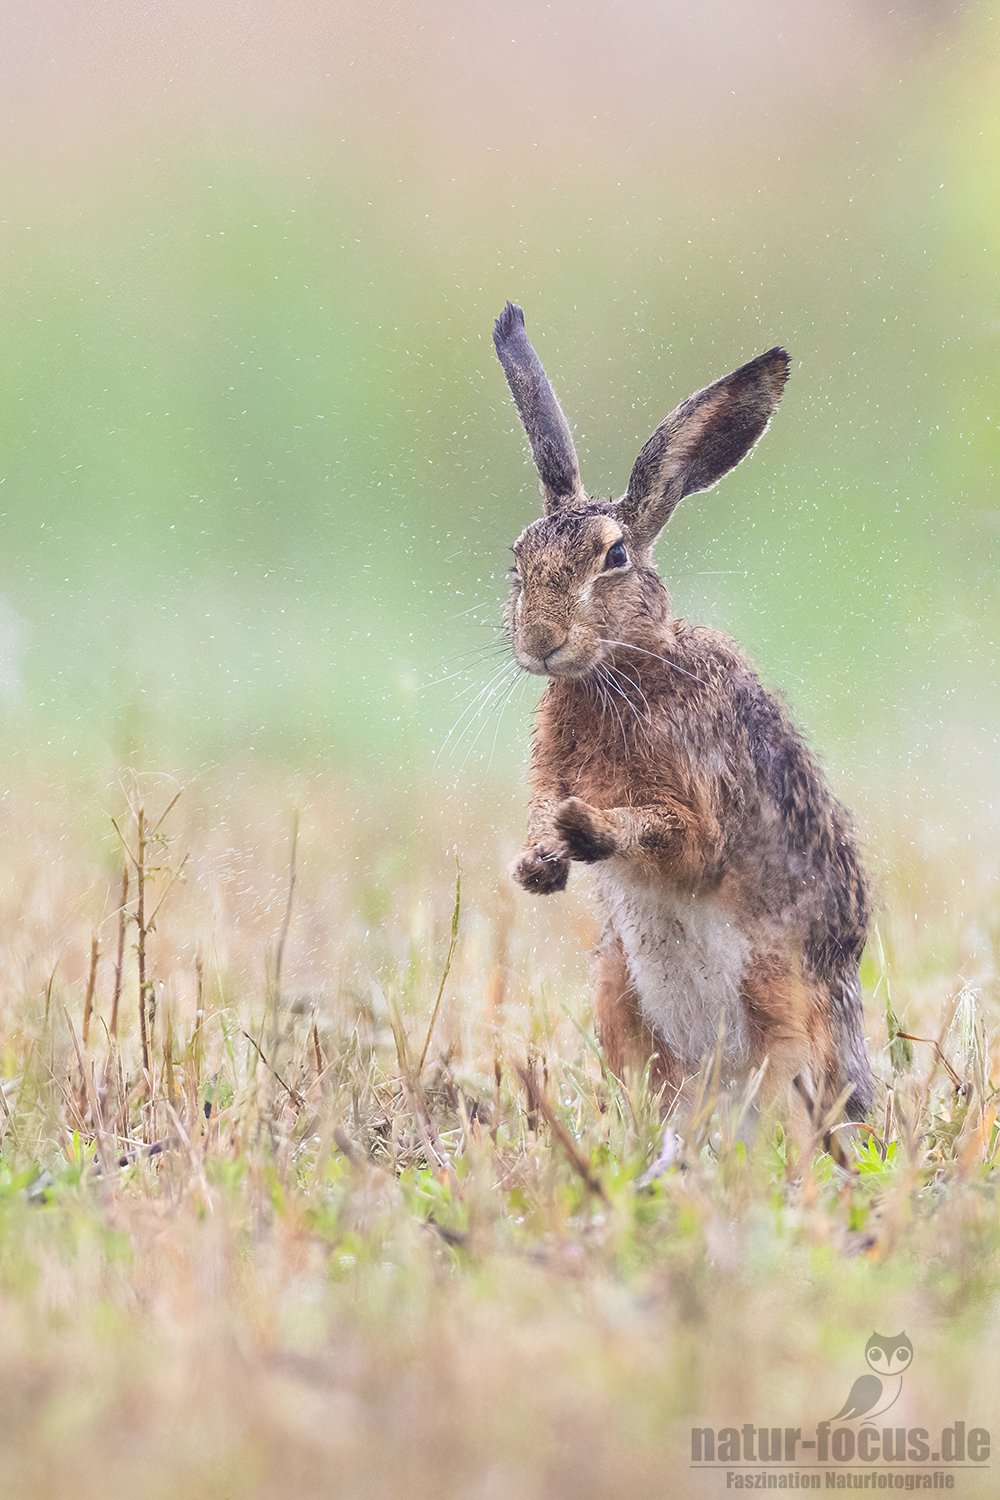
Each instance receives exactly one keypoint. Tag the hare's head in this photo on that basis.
(584, 581)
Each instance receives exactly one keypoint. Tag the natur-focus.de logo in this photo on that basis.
(860, 1448)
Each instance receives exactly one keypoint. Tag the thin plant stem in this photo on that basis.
(447, 965)
(140, 917)
(279, 957)
(88, 1003)
(113, 1027)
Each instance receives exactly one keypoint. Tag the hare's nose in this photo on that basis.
(546, 646)
(538, 649)
(543, 638)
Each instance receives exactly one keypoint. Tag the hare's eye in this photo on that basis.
(617, 556)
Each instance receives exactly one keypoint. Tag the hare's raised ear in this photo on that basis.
(701, 440)
(547, 428)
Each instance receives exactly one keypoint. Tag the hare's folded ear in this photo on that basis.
(547, 428)
(701, 440)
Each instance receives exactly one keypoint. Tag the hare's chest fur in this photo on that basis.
(686, 958)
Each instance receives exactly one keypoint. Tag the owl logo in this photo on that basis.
(871, 1395)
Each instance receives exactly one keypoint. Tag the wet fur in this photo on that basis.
(726, 870)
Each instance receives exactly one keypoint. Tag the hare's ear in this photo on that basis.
(547, 428)
(701, 440)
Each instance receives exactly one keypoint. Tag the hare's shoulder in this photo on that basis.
(726, 705)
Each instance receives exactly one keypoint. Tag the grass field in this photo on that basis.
(258, 477)
(357, 1269)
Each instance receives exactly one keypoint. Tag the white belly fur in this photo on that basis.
(686, 958)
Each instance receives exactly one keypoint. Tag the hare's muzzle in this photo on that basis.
(552, 658)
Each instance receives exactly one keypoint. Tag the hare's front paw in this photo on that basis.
(543, 868)
(588, 833)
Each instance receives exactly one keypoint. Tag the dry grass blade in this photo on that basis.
(119, 961)
(88, 1002)
(347, 1147)
(164, 814)
(175, 875)
(88, 1085)
(293, 1094)
(8, 1116)
(447, 967)
(279, 956)
(140, 918)
(959, 1083)
(318, 1061)
(559, 1133)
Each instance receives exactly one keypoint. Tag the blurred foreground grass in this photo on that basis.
(344, 1273)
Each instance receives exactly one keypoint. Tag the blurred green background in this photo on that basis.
(258, 467)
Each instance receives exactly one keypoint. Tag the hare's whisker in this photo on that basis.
(483, 696)
(480, 717)
(516, 681)
(498, 700)
(631, 646)
(600, 692)
(483, 604)
(643, 720)
(475, 706)
(451, 676)
(611, 693)
(465, 661)
(633, 682)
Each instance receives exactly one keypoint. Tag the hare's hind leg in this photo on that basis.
(842, 1082)
(627, 1041)
(785, 1023)
(849, 1066)
(812, 1060)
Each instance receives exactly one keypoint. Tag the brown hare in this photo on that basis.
(732, 893)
